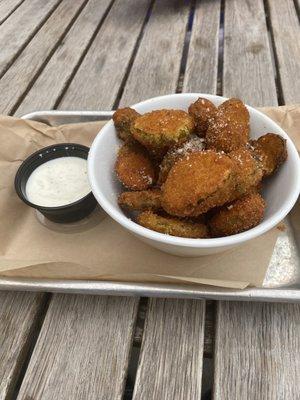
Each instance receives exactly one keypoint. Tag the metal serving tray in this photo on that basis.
(282, 282)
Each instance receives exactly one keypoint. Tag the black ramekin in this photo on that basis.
(62, 214)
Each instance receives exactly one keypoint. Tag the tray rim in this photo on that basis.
(284, 295)
(117, 288)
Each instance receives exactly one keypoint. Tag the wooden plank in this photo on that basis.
(209, 325)
(30, 61)
(155, 70)
(99, 77)
(19, 313)
(7, 7)
(248, 73)
(83, 349)
(257, 351)
(53, 79)
(17, 30)
(286, 34)
(202, 62)
(170, 365)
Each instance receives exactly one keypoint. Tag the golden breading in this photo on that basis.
(143, 200)
(229, 127)
(172, 226)
(271, 151)
(239, 216)
(193, 144)
(161, 129)
(123, 119)
(134, 167)
(249, 171)
(202, 111)
(197, 183)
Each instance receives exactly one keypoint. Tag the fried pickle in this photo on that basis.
(249, 171)
(142, 200)
(229, 127)
(193, 144)
(199, 182)
(134, 167)
(123, 118)
(239, 216)
(202, 111)
(172, 226)
(271, 151)
(161, 129)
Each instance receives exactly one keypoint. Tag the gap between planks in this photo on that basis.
(17, 40)
(61, 60)
(41, 54)
(82, 350)
(21, 317)
(7, 7)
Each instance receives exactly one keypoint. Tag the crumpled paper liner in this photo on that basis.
(106, 251)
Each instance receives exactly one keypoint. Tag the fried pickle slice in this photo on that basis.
(239, 216)
(249, 171)
(198, 182)
(142, 200)
(123, 118)
(134, 167)
(161, 129)
(202, 111)
(229, 127)
(172, 226)
(271, 150)
(193, 144)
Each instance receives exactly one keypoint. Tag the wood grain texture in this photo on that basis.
(286, 34)
(18, 317)
(202, 62)
(99, 77)
(209, 332)
(7, 7)
(24, 70)
(50, 84)
(248, 73)
(155, 70)
(170, 365)
(83, 349)
(257, 351)
(18, 29)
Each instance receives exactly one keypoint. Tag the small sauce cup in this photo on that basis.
(62, 214)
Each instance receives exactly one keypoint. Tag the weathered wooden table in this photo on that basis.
(96, 55)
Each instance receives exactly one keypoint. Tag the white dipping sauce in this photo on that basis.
(58, 182)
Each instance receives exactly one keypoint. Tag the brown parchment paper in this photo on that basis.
(103, 250)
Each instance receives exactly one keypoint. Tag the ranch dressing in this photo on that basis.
(58, 182)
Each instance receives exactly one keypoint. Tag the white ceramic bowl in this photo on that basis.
(280, 192)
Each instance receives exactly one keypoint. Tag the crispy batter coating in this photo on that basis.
(229, 127)
(239, 216)
(140, 201)
(123, 119)
(193, 144)
(161, 129)
(172, 226)
(198, 182)
(249, 171)
(202, 111)
(271, 150)
(134, 167)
